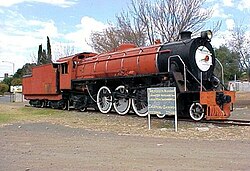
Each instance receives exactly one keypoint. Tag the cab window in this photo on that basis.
(64, 68)
(74, 64)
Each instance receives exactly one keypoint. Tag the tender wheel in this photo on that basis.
(196, 111)
(140, 104)
(121, 104)
(42, 104)
(65, 105)
(83, 109)
(52, 104)
(104, 99)
(160, 115)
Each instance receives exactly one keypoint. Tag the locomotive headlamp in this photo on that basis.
(207, 34)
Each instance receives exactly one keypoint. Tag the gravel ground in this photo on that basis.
(45, 146)
(93, 141)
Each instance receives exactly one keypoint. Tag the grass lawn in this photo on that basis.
(11, 113)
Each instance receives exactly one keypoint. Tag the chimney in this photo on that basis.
(184, 35)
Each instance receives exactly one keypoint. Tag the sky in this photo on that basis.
(25, 24)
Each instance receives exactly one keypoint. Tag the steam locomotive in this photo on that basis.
(119, 79)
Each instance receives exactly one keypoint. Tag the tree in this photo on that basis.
(16, 81)
(148, 21)
(126, 31)
(7, 81)
(3, 88)
(104, 41)
(143, 11)
(25, 70)
(229, 61)
(240, 43)
(186, 15)
(64, 49)
(49, 56)
(43, 57)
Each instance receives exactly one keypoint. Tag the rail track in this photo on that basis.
(229, 122)
(235, 122)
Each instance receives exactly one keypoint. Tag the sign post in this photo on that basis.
(162, 101)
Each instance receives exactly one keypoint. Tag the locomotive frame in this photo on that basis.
(120, 79)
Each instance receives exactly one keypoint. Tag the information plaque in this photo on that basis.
(162, 101)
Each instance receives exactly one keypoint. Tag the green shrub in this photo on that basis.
(16, 81)
(3, 88)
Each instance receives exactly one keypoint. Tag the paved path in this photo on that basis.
(44, 146)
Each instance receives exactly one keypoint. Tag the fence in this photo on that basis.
(14, 97)
(239, 86)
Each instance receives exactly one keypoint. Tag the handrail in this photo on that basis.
(222, 71)
(184, 69)
(201, 80)
(196, 79)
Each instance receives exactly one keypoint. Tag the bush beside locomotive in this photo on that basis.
(120, 79)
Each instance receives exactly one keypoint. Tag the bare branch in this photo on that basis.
(239, 43)
(150, 20)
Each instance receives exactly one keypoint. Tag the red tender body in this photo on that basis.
(42, 84)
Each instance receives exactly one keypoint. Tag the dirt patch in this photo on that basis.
(242, 100)
(45, 146)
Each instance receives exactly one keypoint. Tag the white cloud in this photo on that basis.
(48, 29)
(247, 33)
(230, 24)
(243, 4)
(228, 3)
(17, 29)
(61, 3)
(220, 38)
(20, 38)
(218, 11)
(81, 36)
